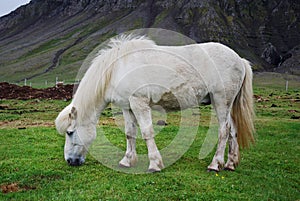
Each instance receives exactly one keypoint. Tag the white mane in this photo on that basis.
(62, 120)
(93, 85)
(126, 40)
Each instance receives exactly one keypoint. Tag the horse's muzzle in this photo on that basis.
(75, 161)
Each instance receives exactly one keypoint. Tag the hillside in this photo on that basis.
(50, 38)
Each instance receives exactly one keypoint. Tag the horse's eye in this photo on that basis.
(69, 133)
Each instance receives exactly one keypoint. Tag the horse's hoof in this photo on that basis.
(229, 169)
(153, 170)
(123, 166)
(212, 170)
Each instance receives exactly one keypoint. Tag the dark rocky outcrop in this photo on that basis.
(47, 38)
(290, 62)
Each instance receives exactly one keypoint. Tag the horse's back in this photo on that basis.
(214, 63)
(189, 72)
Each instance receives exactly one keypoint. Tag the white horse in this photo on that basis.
(134, 73)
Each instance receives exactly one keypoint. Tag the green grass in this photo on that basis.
(270, 80)
(32, 157)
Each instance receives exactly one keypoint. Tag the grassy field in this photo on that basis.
(32, 164)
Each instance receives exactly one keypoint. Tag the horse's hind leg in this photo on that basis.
(130, 158)
(218, 161)
(222, 111)
(233, 151)
(142, 111)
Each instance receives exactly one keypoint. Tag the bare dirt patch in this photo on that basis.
(12, 91)
(10, 188)
(14, 187)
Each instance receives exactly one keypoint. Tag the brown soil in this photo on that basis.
(14, 187)
(12, 91)
(10, 188)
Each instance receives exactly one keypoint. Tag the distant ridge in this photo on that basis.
(49, 38)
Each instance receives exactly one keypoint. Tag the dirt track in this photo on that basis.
(12, 91)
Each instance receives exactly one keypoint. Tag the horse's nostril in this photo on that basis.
(74, 162)
(69, 161)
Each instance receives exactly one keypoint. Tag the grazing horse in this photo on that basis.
(134, 74)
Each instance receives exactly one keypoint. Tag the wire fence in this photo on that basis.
(45, 83)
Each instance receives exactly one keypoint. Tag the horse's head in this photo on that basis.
(79, 136)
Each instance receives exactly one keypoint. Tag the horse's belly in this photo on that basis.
(168, 101)
(178, 101)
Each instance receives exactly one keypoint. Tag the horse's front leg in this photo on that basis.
(156, 163)
(130, 158)
(142, 112)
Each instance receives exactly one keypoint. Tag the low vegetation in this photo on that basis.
(32, 165)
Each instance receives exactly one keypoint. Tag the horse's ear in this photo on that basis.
(73, 114)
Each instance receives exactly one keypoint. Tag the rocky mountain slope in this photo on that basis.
(49, 38)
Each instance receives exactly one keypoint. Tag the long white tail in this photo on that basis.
(242, 111)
